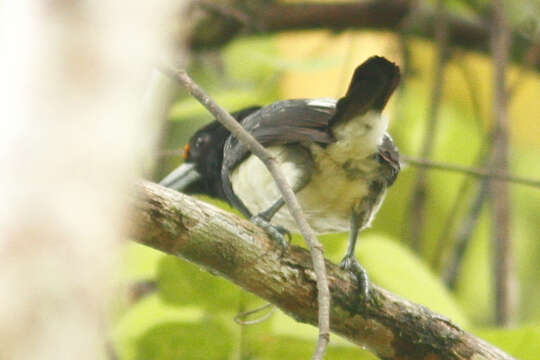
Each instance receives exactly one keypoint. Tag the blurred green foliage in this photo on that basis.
(191, 314)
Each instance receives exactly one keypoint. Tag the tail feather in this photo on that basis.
(371, 86)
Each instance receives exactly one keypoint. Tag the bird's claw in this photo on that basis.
(352, 265)
(277, 233)
(284, 231)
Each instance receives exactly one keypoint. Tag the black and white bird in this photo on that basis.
(336, 155)
(200, 173)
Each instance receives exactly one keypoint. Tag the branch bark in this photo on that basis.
(316, 249)
(389, 326)
(272, 17)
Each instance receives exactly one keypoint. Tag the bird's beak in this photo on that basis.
(181, 177)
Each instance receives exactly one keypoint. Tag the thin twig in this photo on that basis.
(502, 261)
(258, 150)
(404, 28)
(463, 191)
(464, 234)
(227, 11)
(141, 289)
(471, 80)
(434, 165)
(420, 189)
(531, 58)
(453, 267)
(344, 73)
(443, 241)
(243, 352)
(501, 176)
(239, 318)
(468, 224)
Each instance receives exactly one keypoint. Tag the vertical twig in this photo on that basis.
(316, 249)
(443, 241)
(417, 206)
(345, 73)
(242, 346)
(472, 80)
(403, 29)
(453, 267)
(465, 187)
(140, 289)
(501, 223)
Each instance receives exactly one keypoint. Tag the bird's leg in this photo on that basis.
(263, 218)
(269, 213)
(349, 262)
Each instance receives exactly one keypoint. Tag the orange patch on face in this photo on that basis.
(186, 152)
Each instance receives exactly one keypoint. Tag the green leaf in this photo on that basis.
(394, 267)
(207, 339)
(522, 343)
(139, 262)
(291, 347)
(183, 283)
(145, 315)
(474, 288)
(251, 59)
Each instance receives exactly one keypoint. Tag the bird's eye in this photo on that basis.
(199, 142)
(186, 151)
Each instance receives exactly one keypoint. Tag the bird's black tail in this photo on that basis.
(371, 86)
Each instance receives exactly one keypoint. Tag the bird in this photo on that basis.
(200, 173)
(336, 155)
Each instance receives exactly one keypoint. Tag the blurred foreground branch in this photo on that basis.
(389, 326)
(217, 29)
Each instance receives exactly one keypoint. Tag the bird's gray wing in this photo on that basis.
(298, 121)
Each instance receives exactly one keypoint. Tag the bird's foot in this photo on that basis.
(277, 233)
(352, 265)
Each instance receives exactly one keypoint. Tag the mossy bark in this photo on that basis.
(389, 326)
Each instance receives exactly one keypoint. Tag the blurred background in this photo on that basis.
(459, 231)
(463, 245)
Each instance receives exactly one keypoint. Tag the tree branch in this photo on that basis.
(421, 187)
(453, 268)
(502, 240)
(272, 17)
(316, 249)
(389, 326)
(472, 171)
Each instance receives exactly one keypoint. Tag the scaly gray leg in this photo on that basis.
(263, 218)
(349, 262)
(362, 213)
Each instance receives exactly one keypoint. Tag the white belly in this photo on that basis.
(340, 177)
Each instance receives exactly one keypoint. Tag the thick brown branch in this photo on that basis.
(376, 15)
(316, 249)
(391, 327)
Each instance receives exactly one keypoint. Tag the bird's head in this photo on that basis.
(200, 173)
